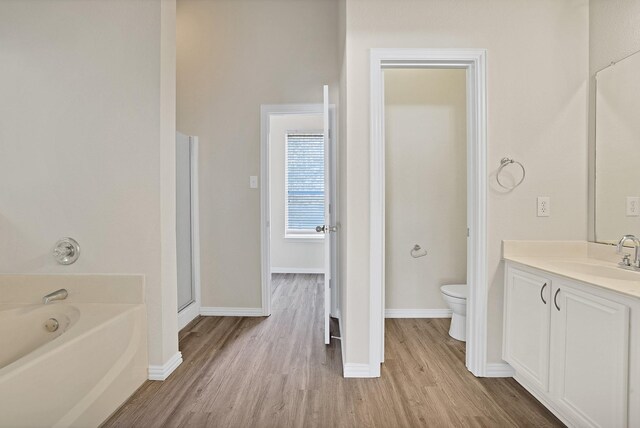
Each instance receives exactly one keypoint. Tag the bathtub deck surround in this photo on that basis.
(572, 329)
(74, 361)
(85, 288)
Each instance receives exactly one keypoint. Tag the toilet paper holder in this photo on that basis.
(417, 251)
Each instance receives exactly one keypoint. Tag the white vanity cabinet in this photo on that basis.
(569, 344)
(526, 336)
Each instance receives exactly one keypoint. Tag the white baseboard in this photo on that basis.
(417, 313)
(353, 370)
(296, 270)
(187, 315)
(162, 372)
(342, 346)
(542, 398)
(499, 370)
(209, 311)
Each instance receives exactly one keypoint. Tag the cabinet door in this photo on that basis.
(590, 357)
(526, 326)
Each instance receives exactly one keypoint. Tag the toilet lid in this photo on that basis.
(460, 291)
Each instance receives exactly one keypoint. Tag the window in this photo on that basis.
(304, 184)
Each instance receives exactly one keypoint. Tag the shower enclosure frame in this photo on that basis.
(474, 62)
(193, 309)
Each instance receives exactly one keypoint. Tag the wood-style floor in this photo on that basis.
(276, 372)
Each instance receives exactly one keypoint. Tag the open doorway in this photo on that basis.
(296, 189)
(299, 239)
(425, 192)
(473, 63)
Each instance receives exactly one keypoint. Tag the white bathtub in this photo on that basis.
(22, 328)
(77, 375)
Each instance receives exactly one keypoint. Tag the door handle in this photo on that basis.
(555, 299)
(541, 295)
(324, 228)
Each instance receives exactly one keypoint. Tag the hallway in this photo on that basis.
(276, 372)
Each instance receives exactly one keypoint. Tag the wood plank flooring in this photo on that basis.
(276, 372)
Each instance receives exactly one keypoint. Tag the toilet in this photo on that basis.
(456, 297)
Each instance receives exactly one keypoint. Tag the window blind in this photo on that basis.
(304, 182)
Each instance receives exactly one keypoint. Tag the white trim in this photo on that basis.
(266, 111)
(195, 218)
(499, 370)
(210, 311)
(304, 237)
(544, 399)
(335, 209)
(162, 372)
(342, 347)
(474, 61)
(417, 313)
(190, 312)
(317, 270)
(353, 370)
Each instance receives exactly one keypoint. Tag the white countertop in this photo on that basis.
(578, 269)
(575, 264)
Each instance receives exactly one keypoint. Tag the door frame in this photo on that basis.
(190, 312)
(475, 62)
(266, 111)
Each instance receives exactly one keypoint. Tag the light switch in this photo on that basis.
(253, 181)
(633, 206)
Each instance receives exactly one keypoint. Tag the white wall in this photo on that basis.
(233, 56)
(289, 254)
(537, 101)
(426, 189)
(84, 87)
(614, 33)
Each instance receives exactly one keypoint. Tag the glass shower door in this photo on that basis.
(186, 290)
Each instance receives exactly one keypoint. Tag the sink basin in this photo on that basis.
(601, 271)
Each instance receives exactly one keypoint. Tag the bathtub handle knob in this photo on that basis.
(66, 251)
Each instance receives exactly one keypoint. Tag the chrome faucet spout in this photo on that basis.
(636, 244)
(56, 295)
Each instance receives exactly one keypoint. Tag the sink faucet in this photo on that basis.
(56, 295)
(636, 243)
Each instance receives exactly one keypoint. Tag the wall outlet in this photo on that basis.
(253, 181)
(544, 206)
(633, 206)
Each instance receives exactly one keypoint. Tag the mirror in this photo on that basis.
(617, 167)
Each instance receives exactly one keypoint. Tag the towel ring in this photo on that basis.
(507, 161)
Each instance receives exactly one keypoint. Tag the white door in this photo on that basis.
(527, 322)
(186, 291)
(590, 361)
(327, 228)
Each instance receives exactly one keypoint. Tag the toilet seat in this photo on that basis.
(459, 291)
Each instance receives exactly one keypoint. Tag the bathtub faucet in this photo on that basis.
(56, 295)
